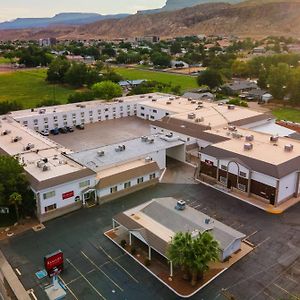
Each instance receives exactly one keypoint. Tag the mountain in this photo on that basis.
(59, 19)
(243, 19)
(172, 5)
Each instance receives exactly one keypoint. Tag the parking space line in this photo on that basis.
(114, 261)
(88, 282)
(18, 271)
(251, 234)
(259, 244)
(283, 289)
(71, 292)
(268, 295)
(291, 279)
(101, 271)
(75, 279)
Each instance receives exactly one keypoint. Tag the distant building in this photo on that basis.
(179, 64)
(151, 39)
(47, 42)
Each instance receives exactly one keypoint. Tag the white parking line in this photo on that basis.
(268, 295)
(71, 292)
(114, 261)
(75, 279)
(18, 271)
(291, 295)
(259, 244)
(291, 279)
(88, 282)
(101, 271)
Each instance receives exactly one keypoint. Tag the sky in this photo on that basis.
(12, 9)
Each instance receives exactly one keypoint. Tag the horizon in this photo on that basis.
(34, 9)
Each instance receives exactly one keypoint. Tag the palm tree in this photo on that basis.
(16, 200)
(178, 250)
(204, 249)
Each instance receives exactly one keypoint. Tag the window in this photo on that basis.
(99, 111)
(91, 112)
(55, 118)
(65, 117)
(128, 107)
(140, 180)
(84, 183)
(36, 128)
(242, 187)
(121, 108)
(106, 117)
(82, 114)
(46, 127)
(82, 121)
(74, 116)
(143, 115)
(114, 109)
(243, 174)
(113, 189)
(25, 123)
(155, 111)
(127, 185)
(48, 195)
(152, 176)
(152, 117)
(223, 167)
(99, 118)
(65, 123)
(142, 108)
(50, 207)
(35, 121)
(106, 109)
(167, 114)
(46, 120)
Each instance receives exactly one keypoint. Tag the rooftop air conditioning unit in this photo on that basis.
(120, 148)
(100, 153)
(200, 102)
(168, 102)
(6, 132)
(144, 138)
(193, 101)
(150, 141)
(180, 205)
(248, 146)
(288, 148)
(150, 96)
(40, 164)
(16, 139)
(120, 100)
(154, 100)
(177, 97)
(29, 147)
(274, 138)
(199, 107)
(148, 159)
(231, 107)
(171, 98)
(45, 168)
(42, 111)
(191, 116)
(199, 120)
(236, 135)
(231, 128)
(249, 138)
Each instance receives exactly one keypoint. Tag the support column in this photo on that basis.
(297, 185)
(171, 269)
(249, 183)
(114, 224)
(218, 168)
(277, 193)
(149, 252)
(130, 240)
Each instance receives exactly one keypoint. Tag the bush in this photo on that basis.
(123, 243)
(133, 251)
(238, 102)
(81, 96)
(147, 262)
(107, 90)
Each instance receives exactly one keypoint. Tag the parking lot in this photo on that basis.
(96, 269)
(103, 133)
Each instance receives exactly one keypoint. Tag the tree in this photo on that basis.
(16, 200)
(193, 254)
(294, 86)
(175, 48)
(7, 106)
(211, 78)
(76, 75)
(57, 70)
(278, 79)
(107, 90)
(161, 59)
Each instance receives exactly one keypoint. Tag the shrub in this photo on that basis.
(133, 251)
(147, 262)
(123, 243)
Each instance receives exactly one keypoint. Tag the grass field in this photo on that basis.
(289, 114)
(186, 82)
(30, 88)
(4, 60)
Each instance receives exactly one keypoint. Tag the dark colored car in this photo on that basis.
(54, 131)
(70, 129)
(63, 130)
(81, 126)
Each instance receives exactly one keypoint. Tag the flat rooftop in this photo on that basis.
(103, 133)
(17, 138)
(134, 149)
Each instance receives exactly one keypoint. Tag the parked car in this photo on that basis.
(54, 131)
(63, 130)
(80, 127)
(70, 128)
(44, 132)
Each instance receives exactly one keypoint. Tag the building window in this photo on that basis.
(243, 174)
(223, 167)
(82, 114)
(155, 111)
(48, 195)
(50, 207)
(65, 117)
(36, 128)
(127, 185)
(65, 123)
(99, 111)
(84, 183)
(242, 187)
(128, 107)
(74, 116)
(152, 176)
(99, 118)
(152, 117)
(55, 118)
(46, 120)
(91, 112)
(35, 121)
(121, 108)
(114, 109)
(25, 123)
(143, 115)
(140, 180)
(113, 189)
(46, 127)
(142, 108)
(106, 109)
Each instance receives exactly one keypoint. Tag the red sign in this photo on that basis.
(54, 263)
(68, 195)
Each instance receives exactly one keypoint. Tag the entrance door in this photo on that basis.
(229, 184)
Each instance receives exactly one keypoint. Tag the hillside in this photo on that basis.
(279, 18)
(59, 19)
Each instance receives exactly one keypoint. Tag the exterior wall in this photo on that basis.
(259, 123)
(177, 153)
(235, 246)
(80, 115)
(150, 113)
(287, 187)
(59, 191)
(105, 192)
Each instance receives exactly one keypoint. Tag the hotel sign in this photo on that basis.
(68, 195)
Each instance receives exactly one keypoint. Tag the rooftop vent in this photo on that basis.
(40, 164)
(150, 141)
(193, 101)
(274, 138)
(221, 103)
(120, 100)
(171, 98)
(168, 102)
(249, 138)
(144, 138)
(120, 148)
(199, 107)
(154, 100)
(46, 168)
(199, 120)
(248, 146)
(288, 148)
(148, 159)
(42, 111)
(232, 128)
(100, 153)
(16, 139)
(236, 135)
(180, 205)
(191, 116)
(177, 97)
(6, 132)
(150, 96)
(231, 107)
(28, 147)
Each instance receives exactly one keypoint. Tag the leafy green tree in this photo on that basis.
(175, 48)
(278, 80)
(107, 90)
(211, 78)
(16, 200)
(294, 86)
(57, 70)
(76, 75)
(161, 59)
(7, 106)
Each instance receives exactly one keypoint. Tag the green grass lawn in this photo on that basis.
(29, 88)
(289, 114)
(186, 82)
